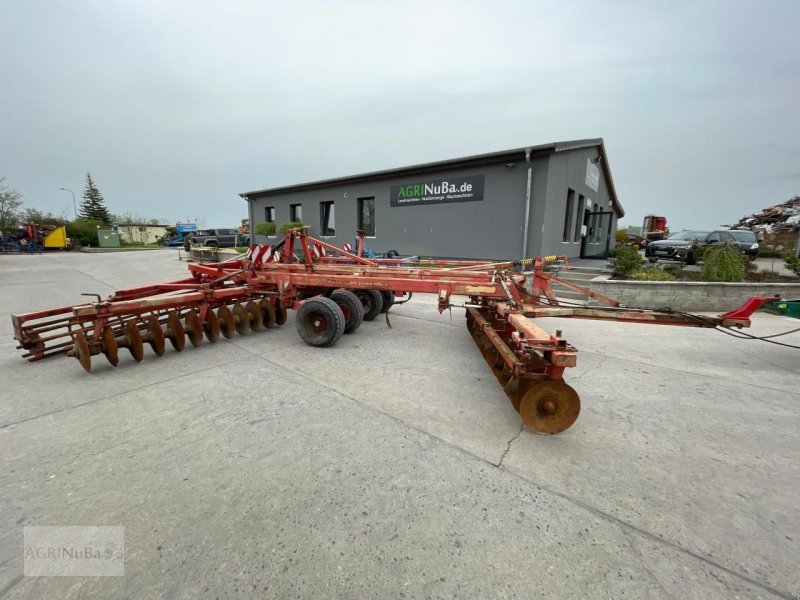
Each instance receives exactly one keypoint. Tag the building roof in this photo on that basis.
(515, 154)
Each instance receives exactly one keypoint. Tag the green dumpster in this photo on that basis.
(790, 308)
(107, 238)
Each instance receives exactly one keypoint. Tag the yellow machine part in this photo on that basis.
(56, 238)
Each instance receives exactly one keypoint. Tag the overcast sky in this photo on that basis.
(175, 107)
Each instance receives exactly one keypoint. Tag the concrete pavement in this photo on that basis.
(392, 465)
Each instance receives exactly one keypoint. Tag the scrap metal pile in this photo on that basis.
(784, 217)
(333, 290)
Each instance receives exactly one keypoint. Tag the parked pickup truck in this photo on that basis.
(220, 238)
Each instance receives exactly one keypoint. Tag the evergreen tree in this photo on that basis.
(93, 206)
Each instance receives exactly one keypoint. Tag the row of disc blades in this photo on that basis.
(546, 406)
(155, 330)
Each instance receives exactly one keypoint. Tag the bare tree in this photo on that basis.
(10, 201)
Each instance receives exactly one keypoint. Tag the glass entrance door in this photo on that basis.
(596, 242)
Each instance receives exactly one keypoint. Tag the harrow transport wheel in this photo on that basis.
(372, 301)
(82, 352)
(155, 336)
(280, 313)
(267, 313)
(549, 407)
(320, 322)
(254, 312)
(242, 319)
(175, 332)
(227, 324)
(351, 308)
(211, 326)
(388, 300)
(193, 328)
(134, 341)
(110, 345)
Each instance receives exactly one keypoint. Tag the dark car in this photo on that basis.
(679, 246)
(219, 238)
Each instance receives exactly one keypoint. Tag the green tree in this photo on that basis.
(84, 231)
(723, 263)
(626, 261)
(264, 228)
(93, 207)
(10, 201)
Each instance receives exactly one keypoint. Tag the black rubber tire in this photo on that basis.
(351, 307)
(690, 259)
(388, 300)
(372, 301)
(320, 322)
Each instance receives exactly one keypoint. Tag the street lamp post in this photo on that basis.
(74, 205)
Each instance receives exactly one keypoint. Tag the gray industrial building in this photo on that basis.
(556, 198)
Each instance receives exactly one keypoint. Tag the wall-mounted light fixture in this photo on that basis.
(511, 165)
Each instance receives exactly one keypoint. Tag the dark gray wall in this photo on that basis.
(568, 170)
(491, 228)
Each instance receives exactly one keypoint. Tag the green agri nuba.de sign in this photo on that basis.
(453, 189)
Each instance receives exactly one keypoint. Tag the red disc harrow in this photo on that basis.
(333, 290)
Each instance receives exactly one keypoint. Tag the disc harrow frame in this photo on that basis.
(254, 291)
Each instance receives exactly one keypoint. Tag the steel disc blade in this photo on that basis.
(254, 312)
(175, 332)
(550, 406)
(194, 328)
(135, 345)
(82, 352)
(155, 336)
(280, 313)
(110, 345)
(267, 313)
(227, 324)
(211, 326)
(242, 319)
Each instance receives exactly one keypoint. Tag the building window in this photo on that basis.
(366, 215)
(570, 210)
(581, 217)
(269, 214)
(296, 213)
(327, 218)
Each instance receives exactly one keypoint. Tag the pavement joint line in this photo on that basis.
(38, 282)
(11, 584)
(508, 446)
(113, 396)
(594, 510)
(643, 563)
(657, 538)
